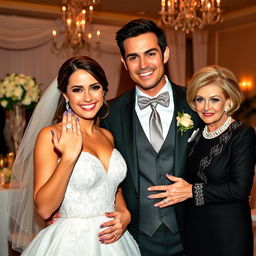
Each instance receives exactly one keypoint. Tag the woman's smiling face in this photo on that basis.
(85, 94)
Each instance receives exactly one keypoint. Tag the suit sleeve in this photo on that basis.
(242, 162)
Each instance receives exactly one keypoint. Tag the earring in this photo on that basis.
(226, 109)
(104, 108)
(67, 105)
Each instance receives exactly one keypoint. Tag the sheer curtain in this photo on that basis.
(200, 48)
(176, 41)
(26, 47)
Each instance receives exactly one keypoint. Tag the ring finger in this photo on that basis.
(69, 125)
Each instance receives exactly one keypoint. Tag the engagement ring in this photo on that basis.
(69, 126)
(115, 234)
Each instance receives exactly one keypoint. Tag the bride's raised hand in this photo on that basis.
(69, 144)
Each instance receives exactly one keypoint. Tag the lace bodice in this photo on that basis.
(91, 189)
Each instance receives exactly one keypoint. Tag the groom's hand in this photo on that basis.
(51, 220)
(114, 228)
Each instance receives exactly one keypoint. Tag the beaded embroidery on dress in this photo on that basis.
(90, 193)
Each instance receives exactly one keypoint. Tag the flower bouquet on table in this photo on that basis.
(19, 88)
(18, 93)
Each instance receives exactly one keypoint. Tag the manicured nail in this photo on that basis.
(52, 132)
(149, 189)
(69, 110)
(72, 113)
(65, 113)
(101, 226)
(77, 119)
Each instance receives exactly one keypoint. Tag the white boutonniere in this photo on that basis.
(184, 122)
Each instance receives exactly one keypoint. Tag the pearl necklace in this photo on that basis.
(210, 135)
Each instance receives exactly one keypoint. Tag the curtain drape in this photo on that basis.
(26, 47)
(176, 41)
(200, 48)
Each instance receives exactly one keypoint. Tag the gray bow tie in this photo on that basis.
(162, 99)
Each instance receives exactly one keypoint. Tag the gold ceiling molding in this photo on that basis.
(51, 11)
(26, 6)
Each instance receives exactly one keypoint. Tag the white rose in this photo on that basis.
(30, 84)
(9, 92)
(18, 92)
(26, 101)
(178, 120)
(2, 90)
(20, 80)
(186, 120)
(4, 103)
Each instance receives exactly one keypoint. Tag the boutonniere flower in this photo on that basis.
(184, 122)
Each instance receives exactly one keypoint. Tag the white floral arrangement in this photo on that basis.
(19, 88)
(184, 122)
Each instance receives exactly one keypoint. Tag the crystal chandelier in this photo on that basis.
(188, 15)
(76, 15)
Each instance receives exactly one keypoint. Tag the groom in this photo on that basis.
(145, 133)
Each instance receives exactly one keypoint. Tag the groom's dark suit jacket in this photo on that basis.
(121, 123)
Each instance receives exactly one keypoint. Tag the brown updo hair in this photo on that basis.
(67, 69)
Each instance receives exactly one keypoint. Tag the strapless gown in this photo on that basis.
(90, 193)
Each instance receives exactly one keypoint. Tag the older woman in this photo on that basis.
(220, 170)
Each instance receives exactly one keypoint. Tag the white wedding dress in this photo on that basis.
(90, 193)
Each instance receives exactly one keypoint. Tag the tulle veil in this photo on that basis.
(25, 223)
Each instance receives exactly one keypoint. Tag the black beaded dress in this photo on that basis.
(218, 220)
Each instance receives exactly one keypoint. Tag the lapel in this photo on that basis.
(181, 141)
(129, 138)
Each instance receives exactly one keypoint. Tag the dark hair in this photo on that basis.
(137, 27)
(67, 69)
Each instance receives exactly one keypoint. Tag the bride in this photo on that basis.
(77, 170)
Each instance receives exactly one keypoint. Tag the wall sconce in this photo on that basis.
(245, 86)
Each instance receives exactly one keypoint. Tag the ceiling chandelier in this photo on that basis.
(76, 15)
(188, 15)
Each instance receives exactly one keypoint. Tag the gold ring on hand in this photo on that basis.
(115, 234)
(166, 200)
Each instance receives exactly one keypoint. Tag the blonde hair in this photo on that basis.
(220, 76)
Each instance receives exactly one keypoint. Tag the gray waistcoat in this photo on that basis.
(152, 169)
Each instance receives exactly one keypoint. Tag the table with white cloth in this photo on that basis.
(4, 220)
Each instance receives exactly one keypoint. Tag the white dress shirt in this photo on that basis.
(166, 113)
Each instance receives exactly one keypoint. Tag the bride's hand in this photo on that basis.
(114, 228)
(69, 144)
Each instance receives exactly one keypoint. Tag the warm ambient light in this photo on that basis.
(245, 85)
(76, 15)
(188, 15)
